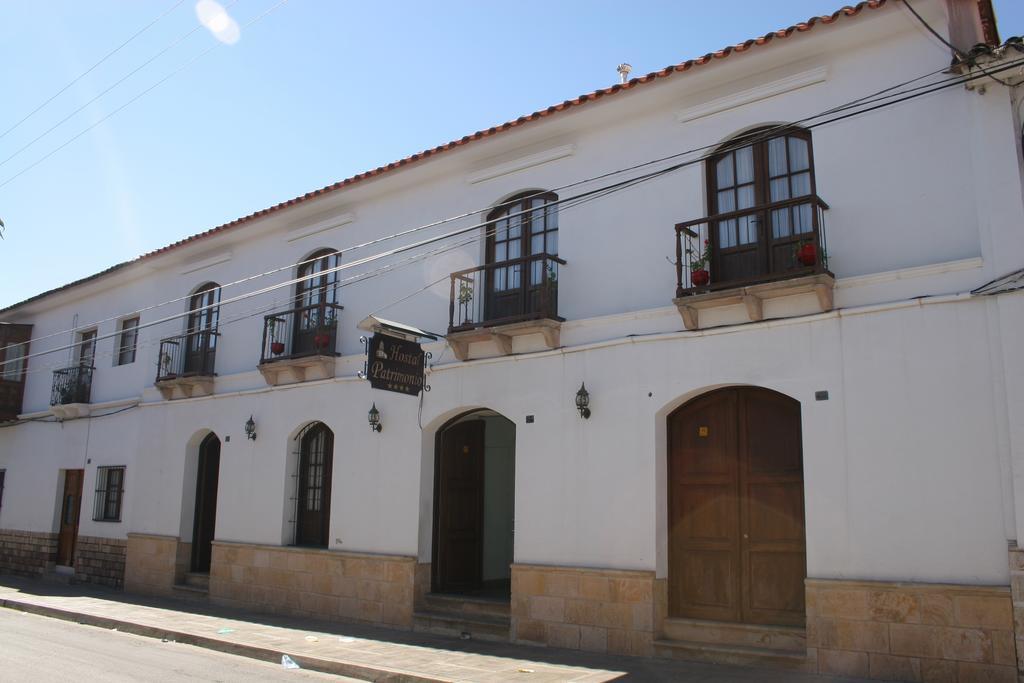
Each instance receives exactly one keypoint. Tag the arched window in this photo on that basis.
(759, 186)
(521, 232)
(203, 315)
(313, 499)
(316, 303)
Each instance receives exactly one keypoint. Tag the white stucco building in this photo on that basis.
(801, 451)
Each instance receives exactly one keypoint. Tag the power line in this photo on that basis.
(876, 96)
(602, 191)
(93, 67)
(131, 101)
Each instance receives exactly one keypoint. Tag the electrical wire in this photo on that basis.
(163, 80)
(744, 141)
(116, 83)
(920, 91)
(92, 68)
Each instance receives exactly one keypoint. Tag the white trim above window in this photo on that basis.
(755, 94)
(521, 164)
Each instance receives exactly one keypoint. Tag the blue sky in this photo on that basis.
(312, 93)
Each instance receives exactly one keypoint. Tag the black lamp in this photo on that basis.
(250, 428)
(583, 401)
(374, 417)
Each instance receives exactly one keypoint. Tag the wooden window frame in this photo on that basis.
(107, 497)
(126, 350)
(762, 178)
(87, 337)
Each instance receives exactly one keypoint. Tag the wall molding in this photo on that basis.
(755, 94)
(317, 228)
(909, 273)
(521, 164)
(193, 266)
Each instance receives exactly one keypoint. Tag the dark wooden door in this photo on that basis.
(70, 508)
(205, 524)
(460, 508)
(314, 499)
(736, 509)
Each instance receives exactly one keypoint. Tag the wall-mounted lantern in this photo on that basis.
(374, 417)
(250, 428)
(583, 401)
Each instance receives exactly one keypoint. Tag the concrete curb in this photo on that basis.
(330, 666)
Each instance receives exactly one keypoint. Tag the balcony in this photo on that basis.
(185, 364)
(11, 393)
(69, 396)
(496, 302)
(300, 344)
(14, 341)
(779, 270)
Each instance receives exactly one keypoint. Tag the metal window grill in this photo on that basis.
(109, 494)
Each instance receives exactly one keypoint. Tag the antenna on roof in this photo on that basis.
(624, 70)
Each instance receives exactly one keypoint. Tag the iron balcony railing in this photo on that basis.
(775, 241)
(71, 385)
(187, 355)
(504, 292)
(306, 331)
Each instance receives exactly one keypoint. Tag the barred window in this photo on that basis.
(127, 341)
(109, 493)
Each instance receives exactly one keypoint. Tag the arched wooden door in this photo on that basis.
(736, 508)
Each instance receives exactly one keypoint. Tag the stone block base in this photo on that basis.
(912, 632)
(600, 610)
(100, 560)
(27, 553)
(324, 584)
(150, 564)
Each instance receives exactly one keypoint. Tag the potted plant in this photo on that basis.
(465, 298)
(276, 347)
(807, 253)
(323, 337)
(165, 363)
(699, 275)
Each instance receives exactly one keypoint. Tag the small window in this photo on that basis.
(3, 475)
(127, 341)
(109, 493)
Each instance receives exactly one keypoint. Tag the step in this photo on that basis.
(197, 580)
(779, 638)
(466, 605)
(478, 627)
(191, 593)
(736, 655)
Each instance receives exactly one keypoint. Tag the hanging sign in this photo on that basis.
(395, 364)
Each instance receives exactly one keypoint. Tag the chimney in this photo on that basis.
(624, 70)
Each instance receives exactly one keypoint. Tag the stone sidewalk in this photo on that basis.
(353, 650)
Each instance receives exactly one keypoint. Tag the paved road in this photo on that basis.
(40, 650)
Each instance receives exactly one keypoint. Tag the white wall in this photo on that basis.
(907, 459)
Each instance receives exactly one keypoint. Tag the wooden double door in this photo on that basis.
(736, 509)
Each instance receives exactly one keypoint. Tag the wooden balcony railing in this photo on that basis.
(306, 331)
(188, 355)
(504, 292)
(789, 241)
(71, 385)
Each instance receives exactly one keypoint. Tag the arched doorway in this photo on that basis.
(205, 519)
(474, 506)
(313, 493)
(736, 508)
